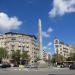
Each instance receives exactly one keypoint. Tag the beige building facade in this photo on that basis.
(17, 41)
(62, 48)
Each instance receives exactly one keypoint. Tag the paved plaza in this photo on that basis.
(42, 71)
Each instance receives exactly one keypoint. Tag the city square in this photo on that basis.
(37, 37)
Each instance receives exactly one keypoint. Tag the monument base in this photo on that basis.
(42, 64)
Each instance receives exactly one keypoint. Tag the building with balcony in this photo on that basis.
(17, 41)
(62, 48)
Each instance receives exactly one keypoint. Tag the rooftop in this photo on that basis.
(20, 34)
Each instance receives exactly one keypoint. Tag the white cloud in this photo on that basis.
(47, 47)
(60, 7)
(7, 23)
(50, 43)
(47, 33)
(49, 30)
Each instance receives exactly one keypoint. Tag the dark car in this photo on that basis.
(5, 65)
(72, 66)
(8, 65)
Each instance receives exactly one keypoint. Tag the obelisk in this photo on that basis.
(41, 62)
(40, 39)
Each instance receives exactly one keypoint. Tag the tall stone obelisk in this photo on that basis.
(40, 39)
(41, 62)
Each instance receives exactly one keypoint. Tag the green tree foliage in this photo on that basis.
(72, 57)
(25, 56)
(16, 56)
(57, 58)
(3, 53)
(53, 60)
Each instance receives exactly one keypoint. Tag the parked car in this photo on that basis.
(8, 65)
(5, 65)
(72, 66)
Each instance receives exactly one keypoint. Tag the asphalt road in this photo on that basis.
(51, 71)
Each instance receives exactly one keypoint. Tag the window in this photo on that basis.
(32, 61)
(13, 38)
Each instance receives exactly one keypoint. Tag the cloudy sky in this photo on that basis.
(58, 19)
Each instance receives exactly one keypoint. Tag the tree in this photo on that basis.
(3, 53)
(69, 59)
(60, 58)
(25, 57)
(53, 60)
(57, 58)
(72, 56)
(16, 56)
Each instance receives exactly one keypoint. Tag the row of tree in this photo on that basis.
(60, 58)
(16, 55)
(57, 58)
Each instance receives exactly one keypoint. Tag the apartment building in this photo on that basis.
(62, 48)
(17, 41)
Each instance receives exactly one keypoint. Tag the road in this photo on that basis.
(51, 71)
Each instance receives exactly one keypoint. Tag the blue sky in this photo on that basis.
(22, 16)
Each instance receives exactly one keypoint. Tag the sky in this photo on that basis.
(57, 16)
